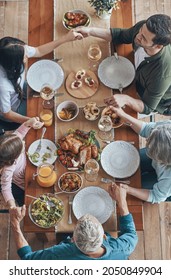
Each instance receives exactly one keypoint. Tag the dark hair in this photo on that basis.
(10, 148)
(11, 59)
(160, 25)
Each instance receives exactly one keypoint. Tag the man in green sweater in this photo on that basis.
(151, 41)
(89, 242)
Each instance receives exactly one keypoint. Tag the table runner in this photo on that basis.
(74, 54)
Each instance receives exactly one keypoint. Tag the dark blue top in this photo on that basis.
(116, 248)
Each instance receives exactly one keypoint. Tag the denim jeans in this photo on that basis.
(18, 194)
(148, 174)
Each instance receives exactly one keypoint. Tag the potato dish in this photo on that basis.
(70, 182)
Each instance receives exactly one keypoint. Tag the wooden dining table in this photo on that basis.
(45, 24)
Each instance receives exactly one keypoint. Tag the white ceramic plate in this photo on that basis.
(116, 73)
(47, 147)
(120, 159)
(95, 201)
(45, 71)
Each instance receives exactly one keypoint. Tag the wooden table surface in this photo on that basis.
(41, 31)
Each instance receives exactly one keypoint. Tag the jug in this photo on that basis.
(45, 176)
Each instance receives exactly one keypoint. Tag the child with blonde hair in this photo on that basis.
(13, 162)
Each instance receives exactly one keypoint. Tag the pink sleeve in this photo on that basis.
(22, 131)
(6, 182)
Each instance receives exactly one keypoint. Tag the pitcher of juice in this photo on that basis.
(45, 176)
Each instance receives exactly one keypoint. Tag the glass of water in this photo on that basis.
(91, 170)
(105, 126)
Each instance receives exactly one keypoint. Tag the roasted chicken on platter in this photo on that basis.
(76, 148)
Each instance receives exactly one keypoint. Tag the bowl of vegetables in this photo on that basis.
(70, 182)
(46, 211)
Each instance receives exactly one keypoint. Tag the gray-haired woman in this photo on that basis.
(155, 159)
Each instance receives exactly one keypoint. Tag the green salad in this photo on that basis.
(43, 215)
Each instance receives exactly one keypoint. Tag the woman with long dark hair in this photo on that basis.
(13, 55)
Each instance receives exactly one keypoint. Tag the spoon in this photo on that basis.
(48, 202)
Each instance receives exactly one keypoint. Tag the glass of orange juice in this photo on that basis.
(46, 176)
(46, 116)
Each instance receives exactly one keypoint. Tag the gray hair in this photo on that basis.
(159, 144)
(88, 234)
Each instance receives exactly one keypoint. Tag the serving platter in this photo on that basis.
(83, 144)
(85, 91)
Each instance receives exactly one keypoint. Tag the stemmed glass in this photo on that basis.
(94, 55)
(47, 93)
(105, 126)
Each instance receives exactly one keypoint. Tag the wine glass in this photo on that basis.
(94, 55)
(91, 170)
(47, 93)
(105, 126)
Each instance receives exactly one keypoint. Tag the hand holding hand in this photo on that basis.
(119, 194)
(82, 30)
(17, 214)
(34, 123)
(74, 35)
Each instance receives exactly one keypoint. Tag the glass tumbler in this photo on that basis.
(91, 170)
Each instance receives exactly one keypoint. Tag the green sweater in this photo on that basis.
(153, 75)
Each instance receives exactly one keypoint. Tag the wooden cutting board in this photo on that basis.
(85, 91)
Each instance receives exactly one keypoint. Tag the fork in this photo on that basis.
(70, 200)
(106, 181)
(40, 141)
